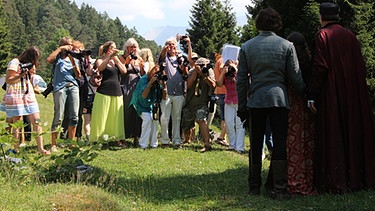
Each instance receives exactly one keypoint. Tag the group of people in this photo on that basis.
(316, 104)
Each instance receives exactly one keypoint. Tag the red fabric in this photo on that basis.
(300, 146)
(345, 143)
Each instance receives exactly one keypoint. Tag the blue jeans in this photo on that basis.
(221, 105)
(67, 96)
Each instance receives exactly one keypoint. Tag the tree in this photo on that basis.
(5, 44)
(212, 26)
(303, 16)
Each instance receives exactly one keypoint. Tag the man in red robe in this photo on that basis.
(345, 144)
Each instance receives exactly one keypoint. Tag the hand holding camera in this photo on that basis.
(183, 39)
(25, 67)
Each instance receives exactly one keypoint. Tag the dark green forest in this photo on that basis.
(44, 22)
(212, 24)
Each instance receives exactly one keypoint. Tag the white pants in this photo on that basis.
(149, 134)
(172, 105)
(235, 130)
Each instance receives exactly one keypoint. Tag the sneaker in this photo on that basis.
(23, 145)
(53, 148)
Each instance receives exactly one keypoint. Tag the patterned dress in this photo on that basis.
(19, 98)
(300, 146)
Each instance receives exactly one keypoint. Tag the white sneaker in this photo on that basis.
(23, 145)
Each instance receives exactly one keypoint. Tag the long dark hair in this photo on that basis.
(31, 54)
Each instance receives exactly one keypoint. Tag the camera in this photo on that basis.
(231, 71)
(182, 41)
(155, 111)
(161, 77)
(49, 89)
(205, 67)
(81, 54)
(133, 56)
(211, 103)
(182, 60)
(25, 67)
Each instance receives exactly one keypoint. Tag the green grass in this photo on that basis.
(159, 179)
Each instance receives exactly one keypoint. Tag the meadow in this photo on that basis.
(155, 179)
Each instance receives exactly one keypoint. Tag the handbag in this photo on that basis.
(96, 78)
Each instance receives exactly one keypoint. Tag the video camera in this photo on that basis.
(81, 54)
(25, 67)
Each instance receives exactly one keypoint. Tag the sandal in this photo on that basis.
(44, 152)
(206, 148)
(222, 142)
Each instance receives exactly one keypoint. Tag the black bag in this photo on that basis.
(96, 78)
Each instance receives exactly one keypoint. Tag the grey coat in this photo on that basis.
(266, 64)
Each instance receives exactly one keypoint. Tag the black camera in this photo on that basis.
(49, 89)
(161, 77)
(81, 54)
(155, 111)
(231, 71)
(133, 56)
(211, 103)
(182, 41)
(182, 60)
(205, 67)
(25, 67)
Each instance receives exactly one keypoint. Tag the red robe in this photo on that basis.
(345, 142)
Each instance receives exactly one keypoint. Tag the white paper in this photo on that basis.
(230, 52)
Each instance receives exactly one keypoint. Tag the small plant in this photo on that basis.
(67, 165)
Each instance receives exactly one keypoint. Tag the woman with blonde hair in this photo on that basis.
(134, 66)
(107, 111)
(148, 59)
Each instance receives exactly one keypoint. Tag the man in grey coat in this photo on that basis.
(266, 63)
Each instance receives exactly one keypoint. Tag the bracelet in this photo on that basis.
(149, 86)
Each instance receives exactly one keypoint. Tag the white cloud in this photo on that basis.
(147, 14)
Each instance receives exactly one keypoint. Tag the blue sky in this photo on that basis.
(145, 15)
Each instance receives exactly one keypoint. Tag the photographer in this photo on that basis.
(199, 84)
(172, 105)
(134, 70)
(234, 126)
(147, 95)
(65, 88)
(19, 99)
(83, 56)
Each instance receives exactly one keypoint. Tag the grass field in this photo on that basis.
(158, 179)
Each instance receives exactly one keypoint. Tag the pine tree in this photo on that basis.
(5, 44)
(212, 26)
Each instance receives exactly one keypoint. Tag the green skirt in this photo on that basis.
(107, 121)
